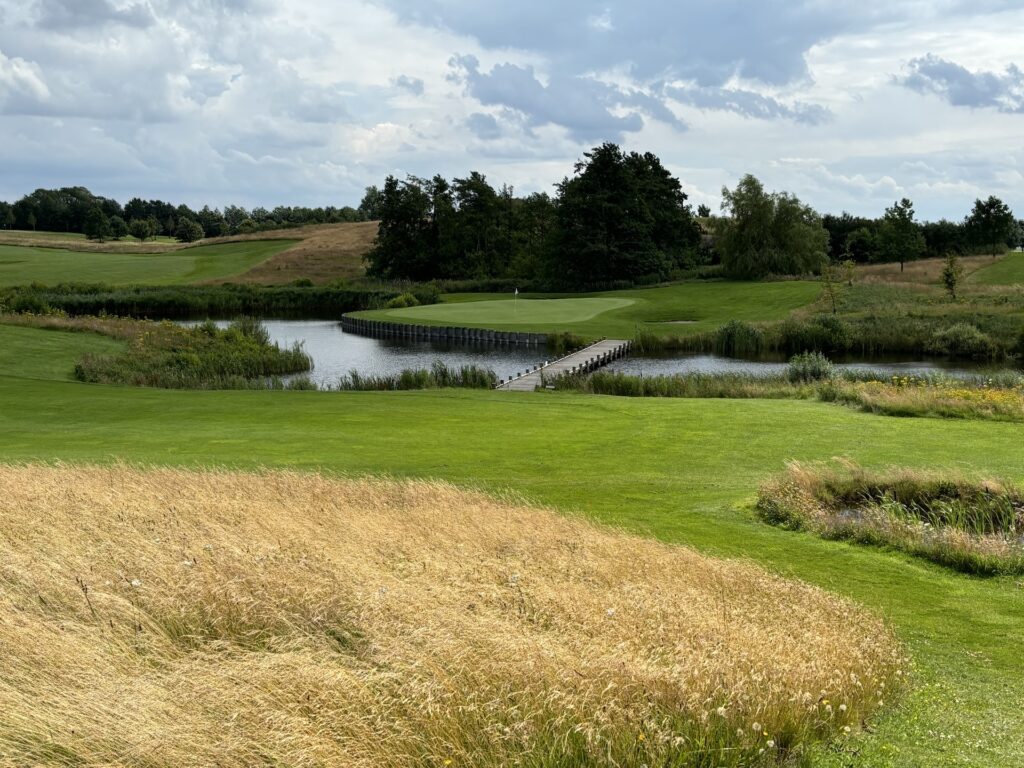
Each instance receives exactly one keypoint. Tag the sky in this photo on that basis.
(849, 105)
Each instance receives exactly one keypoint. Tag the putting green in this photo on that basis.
(510, 311)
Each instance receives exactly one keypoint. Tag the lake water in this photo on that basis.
(336, 352)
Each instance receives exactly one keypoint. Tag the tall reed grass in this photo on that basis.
(439, 376)
(179, 618)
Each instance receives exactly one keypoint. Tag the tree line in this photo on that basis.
(76, 209)
(622, 218)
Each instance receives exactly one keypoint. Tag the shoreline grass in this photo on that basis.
(997, 398)
(975, 526)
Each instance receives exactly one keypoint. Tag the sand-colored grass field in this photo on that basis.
(325, 252)
(174, 618)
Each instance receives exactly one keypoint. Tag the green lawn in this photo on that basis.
(40, 354)
(674, 310)
(1009, 270)
(20, 265)
(682, 470)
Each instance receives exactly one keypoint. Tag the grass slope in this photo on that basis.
(34, 353)
(20, 265)
(671, 310)
(681, 470)
(325, 252)
(1009, 270)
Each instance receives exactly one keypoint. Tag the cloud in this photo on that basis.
(413, 85)
(79, 14)
(21, 80)
(483, 126)
(581, 105)
(962, 88)
(750, 104)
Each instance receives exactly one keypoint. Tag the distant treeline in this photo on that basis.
(199, 302)
(622, 218)
(76, 209)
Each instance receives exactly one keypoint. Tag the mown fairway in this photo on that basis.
(21, 265)
(672, 310)
(681, 470)
(1008, 270)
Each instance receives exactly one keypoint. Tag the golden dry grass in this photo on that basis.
(80, 244)
(921, 272)
(327, 252)
(173, 618)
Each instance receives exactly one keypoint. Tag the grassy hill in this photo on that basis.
(320, 253)
(21, 265)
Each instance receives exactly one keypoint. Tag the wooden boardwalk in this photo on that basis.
(588, 359)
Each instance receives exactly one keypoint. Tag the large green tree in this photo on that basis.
(900, 237)
(768, 233)
(621, 217)
(990, 224)
(97, 225)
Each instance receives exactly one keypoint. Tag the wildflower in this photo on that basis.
(720, 711)
(640, 737)
(136, 583)
(842, 707)
(756, 727)
(770, 743)
(846, 729)
(610, 612)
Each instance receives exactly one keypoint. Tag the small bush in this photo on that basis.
(962, 340)
(809, 366)
(403, 301)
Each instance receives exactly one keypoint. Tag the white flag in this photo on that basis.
(517, 291)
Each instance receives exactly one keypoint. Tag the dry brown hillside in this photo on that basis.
(326, 252)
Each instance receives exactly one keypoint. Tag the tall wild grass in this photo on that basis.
(439, 376)
(177, 618)
(976, 526)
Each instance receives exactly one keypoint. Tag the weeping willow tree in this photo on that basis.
(769, 233)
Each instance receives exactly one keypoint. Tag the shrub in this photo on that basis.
(962, 340)
(402, 301)
(809, 366)
(824, 333)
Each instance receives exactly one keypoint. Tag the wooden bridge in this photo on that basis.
(582, 361)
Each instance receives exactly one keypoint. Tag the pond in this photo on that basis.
(336, 352)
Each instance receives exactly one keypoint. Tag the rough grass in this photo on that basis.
(324, 253)
(976, 526)
(22, 265)
(999, 398)
(180, 618)
(78, 242)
